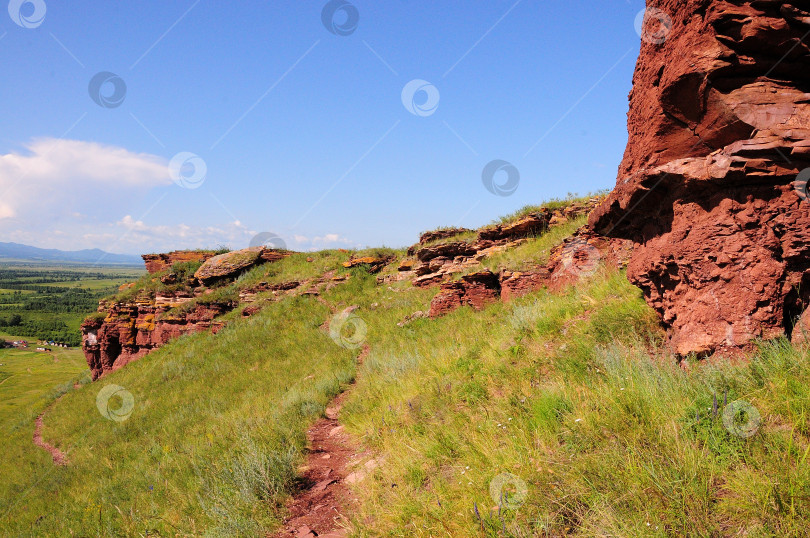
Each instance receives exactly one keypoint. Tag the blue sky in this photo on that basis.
(303, 132)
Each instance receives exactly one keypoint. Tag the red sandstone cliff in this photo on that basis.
(134, 326)
(719, 128)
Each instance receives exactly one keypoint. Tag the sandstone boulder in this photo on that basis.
(228, 265)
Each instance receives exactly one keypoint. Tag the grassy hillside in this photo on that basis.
(557, 413)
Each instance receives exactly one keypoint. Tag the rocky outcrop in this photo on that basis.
(719, 129)
(155, 263)
(229, 265)
(516, 284)
(532, 224)
(130, 331)
(446, 251)
(248, 295)
(435, 262)
(436, 235)
(582, 254)
(577, 257)
(442, 233)
(375, 264)
(475, 290)
(130, 328)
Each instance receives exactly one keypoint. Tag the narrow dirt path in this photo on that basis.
(59, 458)
(318, 510)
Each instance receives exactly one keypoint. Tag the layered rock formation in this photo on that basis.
(719, 129)
(131, 328)
(156, 263)
(130, 331)
(436, 262)
(577, 257)
(475, 290)
(375, 264)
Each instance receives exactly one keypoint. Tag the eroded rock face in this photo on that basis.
(133, 327)
(533, 224)
(131, 330)
(577, 257)
(156, 263)
(375, 263)
(475, 290)
(719, 128)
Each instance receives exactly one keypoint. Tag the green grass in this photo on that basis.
(30, 380)
(572, 394)
(565, 401)
(552, 204)
(212, 443)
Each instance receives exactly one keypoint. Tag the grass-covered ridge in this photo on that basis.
(558, 413)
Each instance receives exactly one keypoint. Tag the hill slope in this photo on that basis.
(555, 413)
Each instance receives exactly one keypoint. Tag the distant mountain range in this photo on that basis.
(17, 251)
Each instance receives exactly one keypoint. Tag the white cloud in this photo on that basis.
(70, 194)
(323, 241)
(134, 234)
(62, 176)
(6, 211)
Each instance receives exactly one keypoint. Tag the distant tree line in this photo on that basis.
(63, 300)
(32, 293)
(41, 329)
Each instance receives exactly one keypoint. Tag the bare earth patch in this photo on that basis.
(320, 508)
(59, 458)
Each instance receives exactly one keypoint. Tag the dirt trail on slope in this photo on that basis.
(59, 457)
(318, 510)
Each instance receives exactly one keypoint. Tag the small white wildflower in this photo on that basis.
(467, 467)
(578, 420)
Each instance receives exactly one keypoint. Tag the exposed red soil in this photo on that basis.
(320, 508)
(59, 457)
